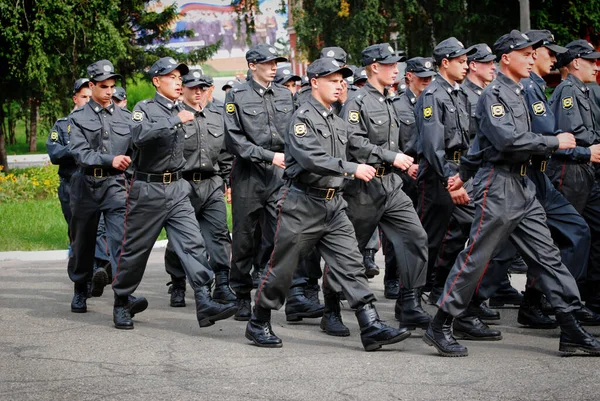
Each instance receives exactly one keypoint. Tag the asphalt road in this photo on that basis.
(49, 353)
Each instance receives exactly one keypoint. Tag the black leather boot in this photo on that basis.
(136, 305)
(586, 317)
(530, 313)
(259, 331)
(311, 291)
(481, 310)
(298, 307)
(391, 289)
(409, 311)
(472, 328)
(371, 269)
(177, 291)
(573, 337)
(331, 322)
(506, 296)
(243, 307)
(439, 335)
(373, 332)
(99, 279)
(79, 301)
(546, 307)
(209, 311)
(121, 314)
(223, 293)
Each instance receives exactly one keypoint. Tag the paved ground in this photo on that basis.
(49, 353)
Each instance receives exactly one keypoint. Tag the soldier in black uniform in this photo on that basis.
(207, 168)
(374, 140)
(160, 197)
(120, 97)
(311, 213)
(100, 142)
(257, 114)
(572, 172)
(285, 78)
(505, 143)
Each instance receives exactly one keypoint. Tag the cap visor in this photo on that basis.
(591, 56)
(119, 98)
(182, 68)
(194, 83)
(556, 48)
(104, 77)
(486, 59)
(389, 60)
(225, 87)
(425, 74)
(276, 58)
(290, 78)
(535, 45)
(345, 71)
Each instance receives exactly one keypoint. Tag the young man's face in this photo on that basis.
(417, 84)
(457, 68)
(328, 88)
(102, 91)
(588, 69)
(520, 62)
(194, 96)
(121, 103)
(544, 60)
(264, 72)
(387, 73)
(82, 97)
(169, 85)
(291, 85)
(484, 71)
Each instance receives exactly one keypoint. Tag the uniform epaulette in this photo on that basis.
(496, 89)
(126, 111)
(77, 110)
(62, 119)
(240, 88)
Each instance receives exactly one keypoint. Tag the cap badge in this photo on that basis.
(106, 68)
(272, 50)
(196, 74)
(488, 49)
(428, 64)
(391, 49)
(172, 61)
(460, 43)
(330, 53)
(590, 45)
(286, 72)
(335, 63)
(525, 36)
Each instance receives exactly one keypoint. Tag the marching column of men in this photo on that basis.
(461, 155)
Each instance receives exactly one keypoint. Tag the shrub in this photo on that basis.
(29, 183)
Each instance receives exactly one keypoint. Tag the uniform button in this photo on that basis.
(185, 136)
(392, 143)
(104, 150)
(68, 141)
(345, 174)
(352, 175)
(203, 164)
(273, 134)
(203, 150)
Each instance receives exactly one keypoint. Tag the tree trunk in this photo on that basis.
(3, 157)
(33, 121)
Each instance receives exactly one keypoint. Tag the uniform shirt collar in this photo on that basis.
(193, 110)
(322, 110)
(98, 108)
(578, 83)
(473, 86)
(512, 85)
(261, 90)
(446, 85)
(373, 91)
(538, 80)
(164, 101)
(412, 98)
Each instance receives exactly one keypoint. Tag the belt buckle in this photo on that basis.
(523, 171)
(196, 177)
(330, 194)
(457, 155)
(543, 166)
(380, 171)
(98, 172)
(167, 178)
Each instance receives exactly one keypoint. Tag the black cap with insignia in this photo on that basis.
(322, 67)
(515, 40)
(482, 54)
(80, 83)
(263, 53)
(579, 49)
(119, 93)
(360, 74)
(284, 75)
(334, 52)
(305, 81)
(547, 40)
(450, 48)
(194, 78)
(165, 65)
(228, 84)
(422, 67)
(381, 53)
(101, 71)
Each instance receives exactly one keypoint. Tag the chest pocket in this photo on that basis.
(253, 109)
(215, 130)
(341, 135)
(323, 130)
(121, 129)
(379, 119)
(190, 137)
(284, 107)
(406, 118)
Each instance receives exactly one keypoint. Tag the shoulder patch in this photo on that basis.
(353, 116)
(137, 116)
(69, 129)
(538, 108)
(427, 111)
(54, 136)
(567, 102)
(230, 108)
(300, 130)
(498, 110)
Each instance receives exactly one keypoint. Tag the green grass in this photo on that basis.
(209, 70)
(21, 147)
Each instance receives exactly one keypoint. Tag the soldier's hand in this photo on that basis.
(279, 160)
(403, 161)
(228, 194)
(185, 116)
(595, 156)
(566, 140)
(454, 183)
(365, 172)
(121, 162)
(413, 171)
(460, 197)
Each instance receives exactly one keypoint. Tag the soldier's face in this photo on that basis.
(121, 103)
(417, 84)
(588, 70)
(485, 71)
(193, 96)
(169, 85)
(329, 88)
(291, 85)
(544, 60)
(520, 62)
(387, 73)
(264, 72)
(82, 97)
(102, 91)
(457, 68)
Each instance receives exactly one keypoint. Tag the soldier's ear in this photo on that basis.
(156, 82)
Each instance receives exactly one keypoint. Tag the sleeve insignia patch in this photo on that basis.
(427, 111)
(54, 136)
(300, 130)
(498, 110)
(69, 129)
(137, 116)
(230, 108)
(538, 108)
(567, 102)
(353, 116)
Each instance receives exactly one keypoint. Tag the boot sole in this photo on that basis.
(413, 327)
(99, 281)
(461, 335)
(209, 321)
(431, 342)
(79, 310)
(501, 304)
(177, 305)
(371, 273)
(569, 348)
(256, 343)
(336, 333)
(376, 345)
(138, 307)
(297, 317)
(242, 318)
(124, 327)
(391, 296)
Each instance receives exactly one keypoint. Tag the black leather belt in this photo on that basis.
(539, 164)
(454, 156)
(325, 193)
(520, 169)
(165, 178)
(99, 172)
(197, 176)
(382, 169)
